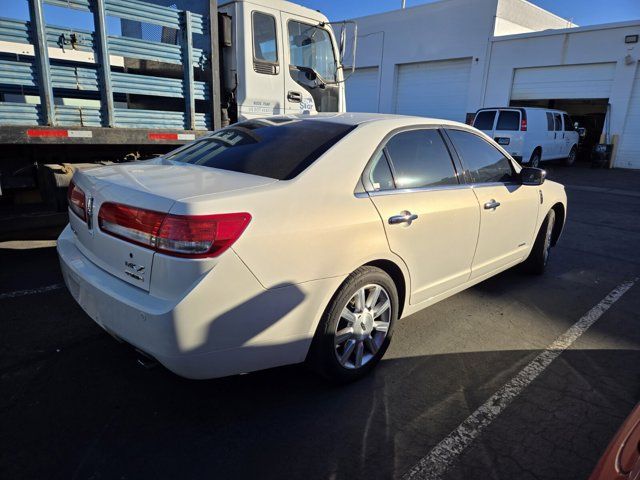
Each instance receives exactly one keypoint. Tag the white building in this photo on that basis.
(449, 58)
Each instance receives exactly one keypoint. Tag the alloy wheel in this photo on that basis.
(363, 326)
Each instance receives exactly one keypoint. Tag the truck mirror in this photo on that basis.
(224, 26)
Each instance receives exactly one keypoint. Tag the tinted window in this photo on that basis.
(420, 159)
(550, 122)
(508, 120)
(568, 124)
(484, 120)
(264, 38)
(381, 177)
(265, 148)
(557, 120)
(485, 162)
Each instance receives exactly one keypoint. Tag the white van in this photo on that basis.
(530, 135)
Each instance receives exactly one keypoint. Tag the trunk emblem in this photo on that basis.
(134, 271)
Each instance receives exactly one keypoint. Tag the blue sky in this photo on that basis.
(582, 12)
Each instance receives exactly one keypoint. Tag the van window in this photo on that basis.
(568, 124)
(550, 122)
(484, 120)
(508, 120)
(557, 120)
(485, 162)
(420, 159)
(264, 38)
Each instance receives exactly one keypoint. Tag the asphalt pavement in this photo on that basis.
(75, 404)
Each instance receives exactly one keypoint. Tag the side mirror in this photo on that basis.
(532, 176)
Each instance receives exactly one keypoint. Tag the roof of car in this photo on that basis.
(352, 118)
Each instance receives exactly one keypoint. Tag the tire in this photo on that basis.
(571, 159)
(353, 354)
(537, 260)
(534, 161)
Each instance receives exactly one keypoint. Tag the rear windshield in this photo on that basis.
(277, 148)
(484, 120)
(508, 120)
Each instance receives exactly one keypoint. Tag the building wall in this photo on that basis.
(587, 45)
(449, 29)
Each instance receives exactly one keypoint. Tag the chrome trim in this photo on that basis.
(378, 193)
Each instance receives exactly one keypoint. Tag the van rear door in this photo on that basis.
(508, 131)
(485, 120)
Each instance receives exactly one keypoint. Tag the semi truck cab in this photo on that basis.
(278, 58)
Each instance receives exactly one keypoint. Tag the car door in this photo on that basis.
(569, 134)
(549, 145)
(431, 219)
(559, 136)
(508, 209)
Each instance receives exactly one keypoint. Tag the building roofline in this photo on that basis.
(563, 31)
(538, 7)
(413, 7)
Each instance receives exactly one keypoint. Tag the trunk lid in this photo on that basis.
(153, 185)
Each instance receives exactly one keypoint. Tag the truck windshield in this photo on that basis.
(310, 46)
(279, 148)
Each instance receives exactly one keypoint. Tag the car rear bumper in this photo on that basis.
(227, 323)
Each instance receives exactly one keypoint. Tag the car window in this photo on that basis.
(568, 124)
(557, 120)
(485, 162)
(484, 120)
(508, 120)
(550, 122)
(264, 38)
(381, 176)
(268, 148)
(420, 159)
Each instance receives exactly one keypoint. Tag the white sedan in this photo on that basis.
(286, 239)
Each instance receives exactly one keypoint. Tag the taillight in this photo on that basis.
(77, 200)
(523, 125)
(179, 235)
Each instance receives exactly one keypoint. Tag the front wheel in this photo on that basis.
(571, 159)
(534, 161)
(356, 329)
(537, 260)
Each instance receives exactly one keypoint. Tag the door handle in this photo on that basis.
(295, 97)
(405, 217)
(491, 205)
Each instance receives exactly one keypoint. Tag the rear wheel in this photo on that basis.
(571, 159)
(356, 329)
(537, 260)
(534, 161)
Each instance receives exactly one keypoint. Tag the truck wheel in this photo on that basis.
(534, 161)
(536, 262)
(571, 159)
(356, 328)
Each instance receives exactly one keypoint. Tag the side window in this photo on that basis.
(485, 162)
(568, 124)
(508, 120)
(557, 120)
(484, 120)
(265, 46)
(550, 123)
(420, 159)
(380, 174)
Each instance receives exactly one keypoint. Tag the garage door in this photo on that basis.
(628, 155)
(433, 89)
(362, 90)
(568, 81)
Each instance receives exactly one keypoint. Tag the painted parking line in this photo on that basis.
(438, 460)
(33, 291)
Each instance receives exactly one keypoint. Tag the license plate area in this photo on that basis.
(503, 140)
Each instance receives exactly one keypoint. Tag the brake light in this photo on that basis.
(523, 125)
(77, 200)
(192, 236)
